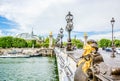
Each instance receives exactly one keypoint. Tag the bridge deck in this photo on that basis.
(67, 62)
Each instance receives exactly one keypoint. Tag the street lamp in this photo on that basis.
(69, 28)
(58, 39)
(112, 23)
(61, 36)
(61, 30)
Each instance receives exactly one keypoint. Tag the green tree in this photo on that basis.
(38, 45)
(19, 43)
(77, 43)
(33, 42)
(117, 43)
(64, 44)
(2, 42)
(6, 42)
(29, 43)
(105, 43)
(54, 41)
(46, 42)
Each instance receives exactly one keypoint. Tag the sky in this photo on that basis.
(45, 16)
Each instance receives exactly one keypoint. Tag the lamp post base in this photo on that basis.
(112, 55)
(61, 45)
(69, 46)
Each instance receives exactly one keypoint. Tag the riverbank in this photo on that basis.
(19, 51)
(31, 52)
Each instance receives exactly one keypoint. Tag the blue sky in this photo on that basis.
(44, 16)
(6, 24)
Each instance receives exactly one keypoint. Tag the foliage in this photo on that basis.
(117, 43)
(29, 43)
(19, 43)
(38, 45)
(64, 44)
(54, 41)
(105, 43)
(46, 42)
(33, 42)
(77, 43)
(45, 45)
(8, 42)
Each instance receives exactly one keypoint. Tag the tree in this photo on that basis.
(29, 43)
(46, 42)
(19, 43)
(38, 45)
(54, 41)
(105, 43)
(6, 42)
(2, 42)
(117, 43)
(77, 43)
(64, 44)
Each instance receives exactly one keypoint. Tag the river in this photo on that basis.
(28, 69)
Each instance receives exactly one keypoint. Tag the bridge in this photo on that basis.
(102, 68)
(46, 51)
(66, 62)
(66, 65)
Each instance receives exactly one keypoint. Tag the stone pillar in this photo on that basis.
(85, 38)
(50, 40)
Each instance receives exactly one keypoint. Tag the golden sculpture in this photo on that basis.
(50, 33)
(88, 49)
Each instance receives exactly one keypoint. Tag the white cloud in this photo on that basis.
(49, 15)
(96, 15)
(107, 36)
(26, 12)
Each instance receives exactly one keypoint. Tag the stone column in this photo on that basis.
(50, 40)
(85, 38)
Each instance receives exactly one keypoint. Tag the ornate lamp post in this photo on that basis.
(61, 36)
(69, 27)
(112, 23)
(58, 39)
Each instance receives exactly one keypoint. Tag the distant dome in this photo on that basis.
(27, 36)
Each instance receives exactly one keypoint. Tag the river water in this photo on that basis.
(28, 69)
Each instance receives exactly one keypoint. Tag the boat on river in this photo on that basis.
(35, 55)
(14, 56)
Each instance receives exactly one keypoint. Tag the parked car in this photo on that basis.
(118, 51)
(108, 49)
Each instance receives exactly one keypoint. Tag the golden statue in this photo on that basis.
(89, 48)
(50, 33)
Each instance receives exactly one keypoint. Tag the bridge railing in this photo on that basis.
(65, 65)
